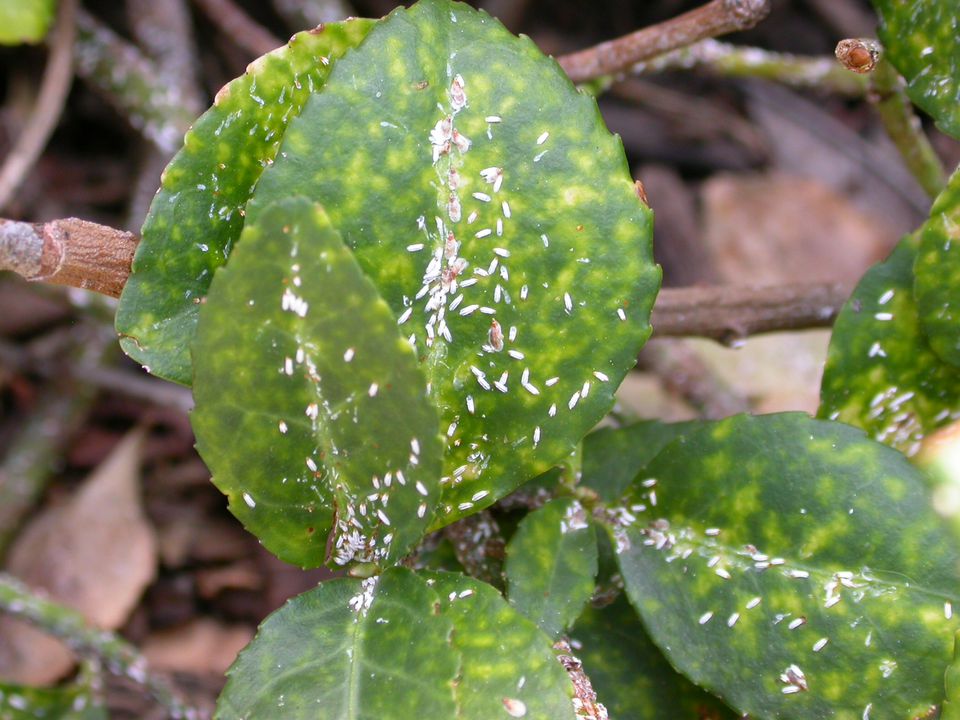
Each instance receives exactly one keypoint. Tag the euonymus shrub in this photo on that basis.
(404, 267)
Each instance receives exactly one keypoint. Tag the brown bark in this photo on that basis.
(72, 252)
(717, 17)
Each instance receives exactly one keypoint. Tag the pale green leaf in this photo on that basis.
(785, 557)
(922, 40)
(496, 215)
(631, 676)
(951, 703)
(198, 213)
(507, 663)
(881, 373)
(612, 457)
(394, 647)
(937, 269)
(353, 649)
(311, 410)
(25, 21)
(552, 564)
(73, 702)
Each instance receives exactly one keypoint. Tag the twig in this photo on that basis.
(57, 79)
(888, 96)
(684, 373)
(96, 257)
(119, 656)
(721, 58)
(303, 14)
(691, 115)
(717, 17)
(246, 32)
(70, 252)
(132, 83)
(729, 313)
(128, 384)
(29, 461)
(809, 138)
(164, 29)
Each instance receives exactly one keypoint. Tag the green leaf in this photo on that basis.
(630, 674)
(937, 269)
(439, 133)
(72, 702)
(881, 374)
(922, 40)
(25, 21)
(373, 648)
(311, 410)
(508, 665)
(198, 213)
(951, 705)
(612, 457)
(551, 564)
(802, 552)
(397, 646)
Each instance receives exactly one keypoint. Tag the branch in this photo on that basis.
(164, 29)
(132, 83)
(57, 79)
(684, 373)
(245, 32)
(728, 60)
(729, 313)
(86, 255)
(717, 17)
(888, 95)
(33, 452)
(69, 252)
(165, 32)
(90, 375)
(302, 14)
(119, 656)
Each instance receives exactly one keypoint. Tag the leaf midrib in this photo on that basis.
(737, 553)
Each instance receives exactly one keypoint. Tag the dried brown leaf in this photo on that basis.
(201, 646)
(96, 553)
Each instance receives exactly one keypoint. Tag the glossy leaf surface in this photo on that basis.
(612, 457)
(198, 213)
(922, 40)
(801, 550)
(552, 564)
(25, 21)
(397, 646)
(311, 410)
(631, 676)
(937, 268)
(496, 215)
(881, 374)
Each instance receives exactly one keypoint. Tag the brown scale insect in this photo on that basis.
(496, 336)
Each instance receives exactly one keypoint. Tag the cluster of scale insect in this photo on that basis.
(893, 414)
(357, 529)
(445, 291)
(680, 545)
(351, 541)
